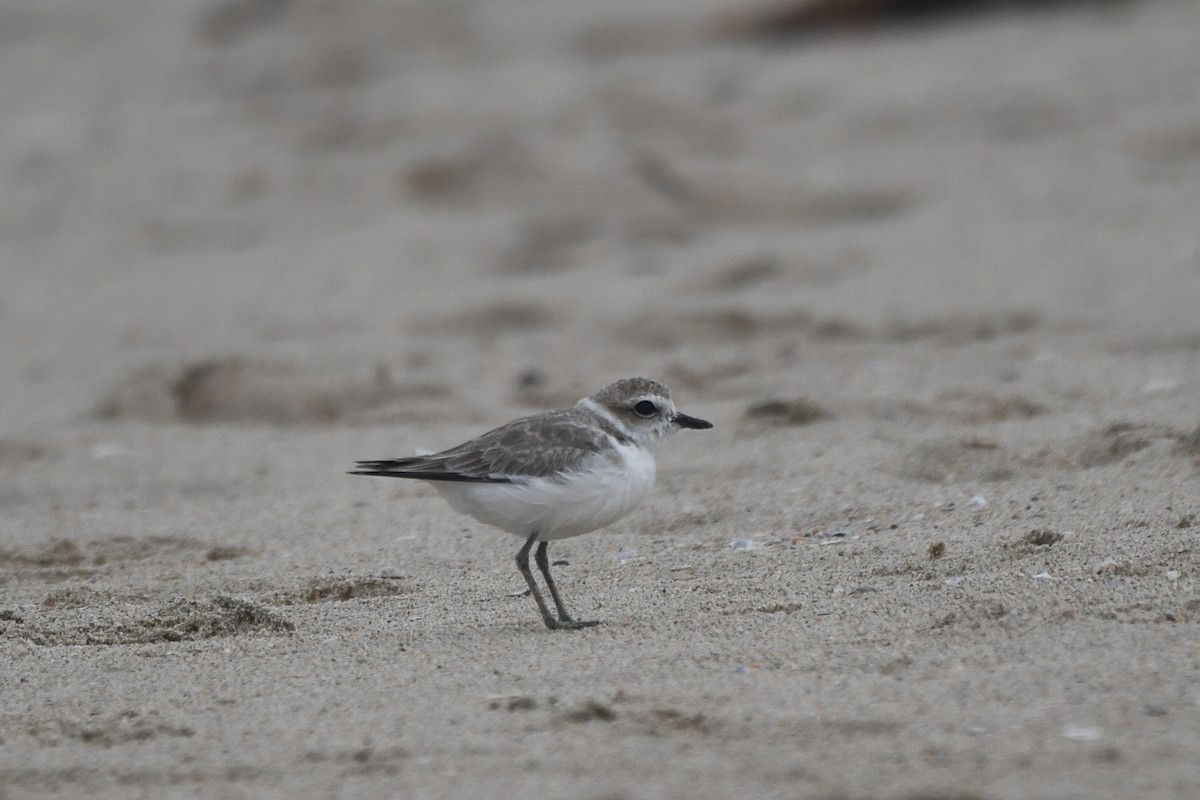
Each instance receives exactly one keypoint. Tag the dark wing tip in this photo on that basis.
(393, 467)
(406, 468)
(387, 463)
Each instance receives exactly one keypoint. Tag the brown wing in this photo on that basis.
(533, 447)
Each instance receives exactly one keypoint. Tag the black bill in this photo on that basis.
(684, 421)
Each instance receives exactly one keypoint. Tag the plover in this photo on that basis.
(554, 475)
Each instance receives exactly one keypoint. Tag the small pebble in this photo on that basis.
(102, 450)
(1081, 733)
(977, 502)
(835, 537)
(1173, 575)
(743, 544)
(1160, 384)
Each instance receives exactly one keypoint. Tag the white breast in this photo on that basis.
(600, 493)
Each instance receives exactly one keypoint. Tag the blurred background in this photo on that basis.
(931, 268)
(323, 210)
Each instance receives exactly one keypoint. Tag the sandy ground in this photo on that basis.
(937, 287)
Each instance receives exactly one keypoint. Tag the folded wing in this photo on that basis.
(545, 446)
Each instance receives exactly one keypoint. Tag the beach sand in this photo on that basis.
(937, 286)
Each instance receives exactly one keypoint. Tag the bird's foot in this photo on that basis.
(569, 624)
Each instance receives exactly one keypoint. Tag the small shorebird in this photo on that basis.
(554, 475)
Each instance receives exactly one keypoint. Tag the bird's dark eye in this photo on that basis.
(645, 408)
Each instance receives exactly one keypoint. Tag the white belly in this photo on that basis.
(588, 500)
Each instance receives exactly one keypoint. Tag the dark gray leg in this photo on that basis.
(563, 616)
(523, 565)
